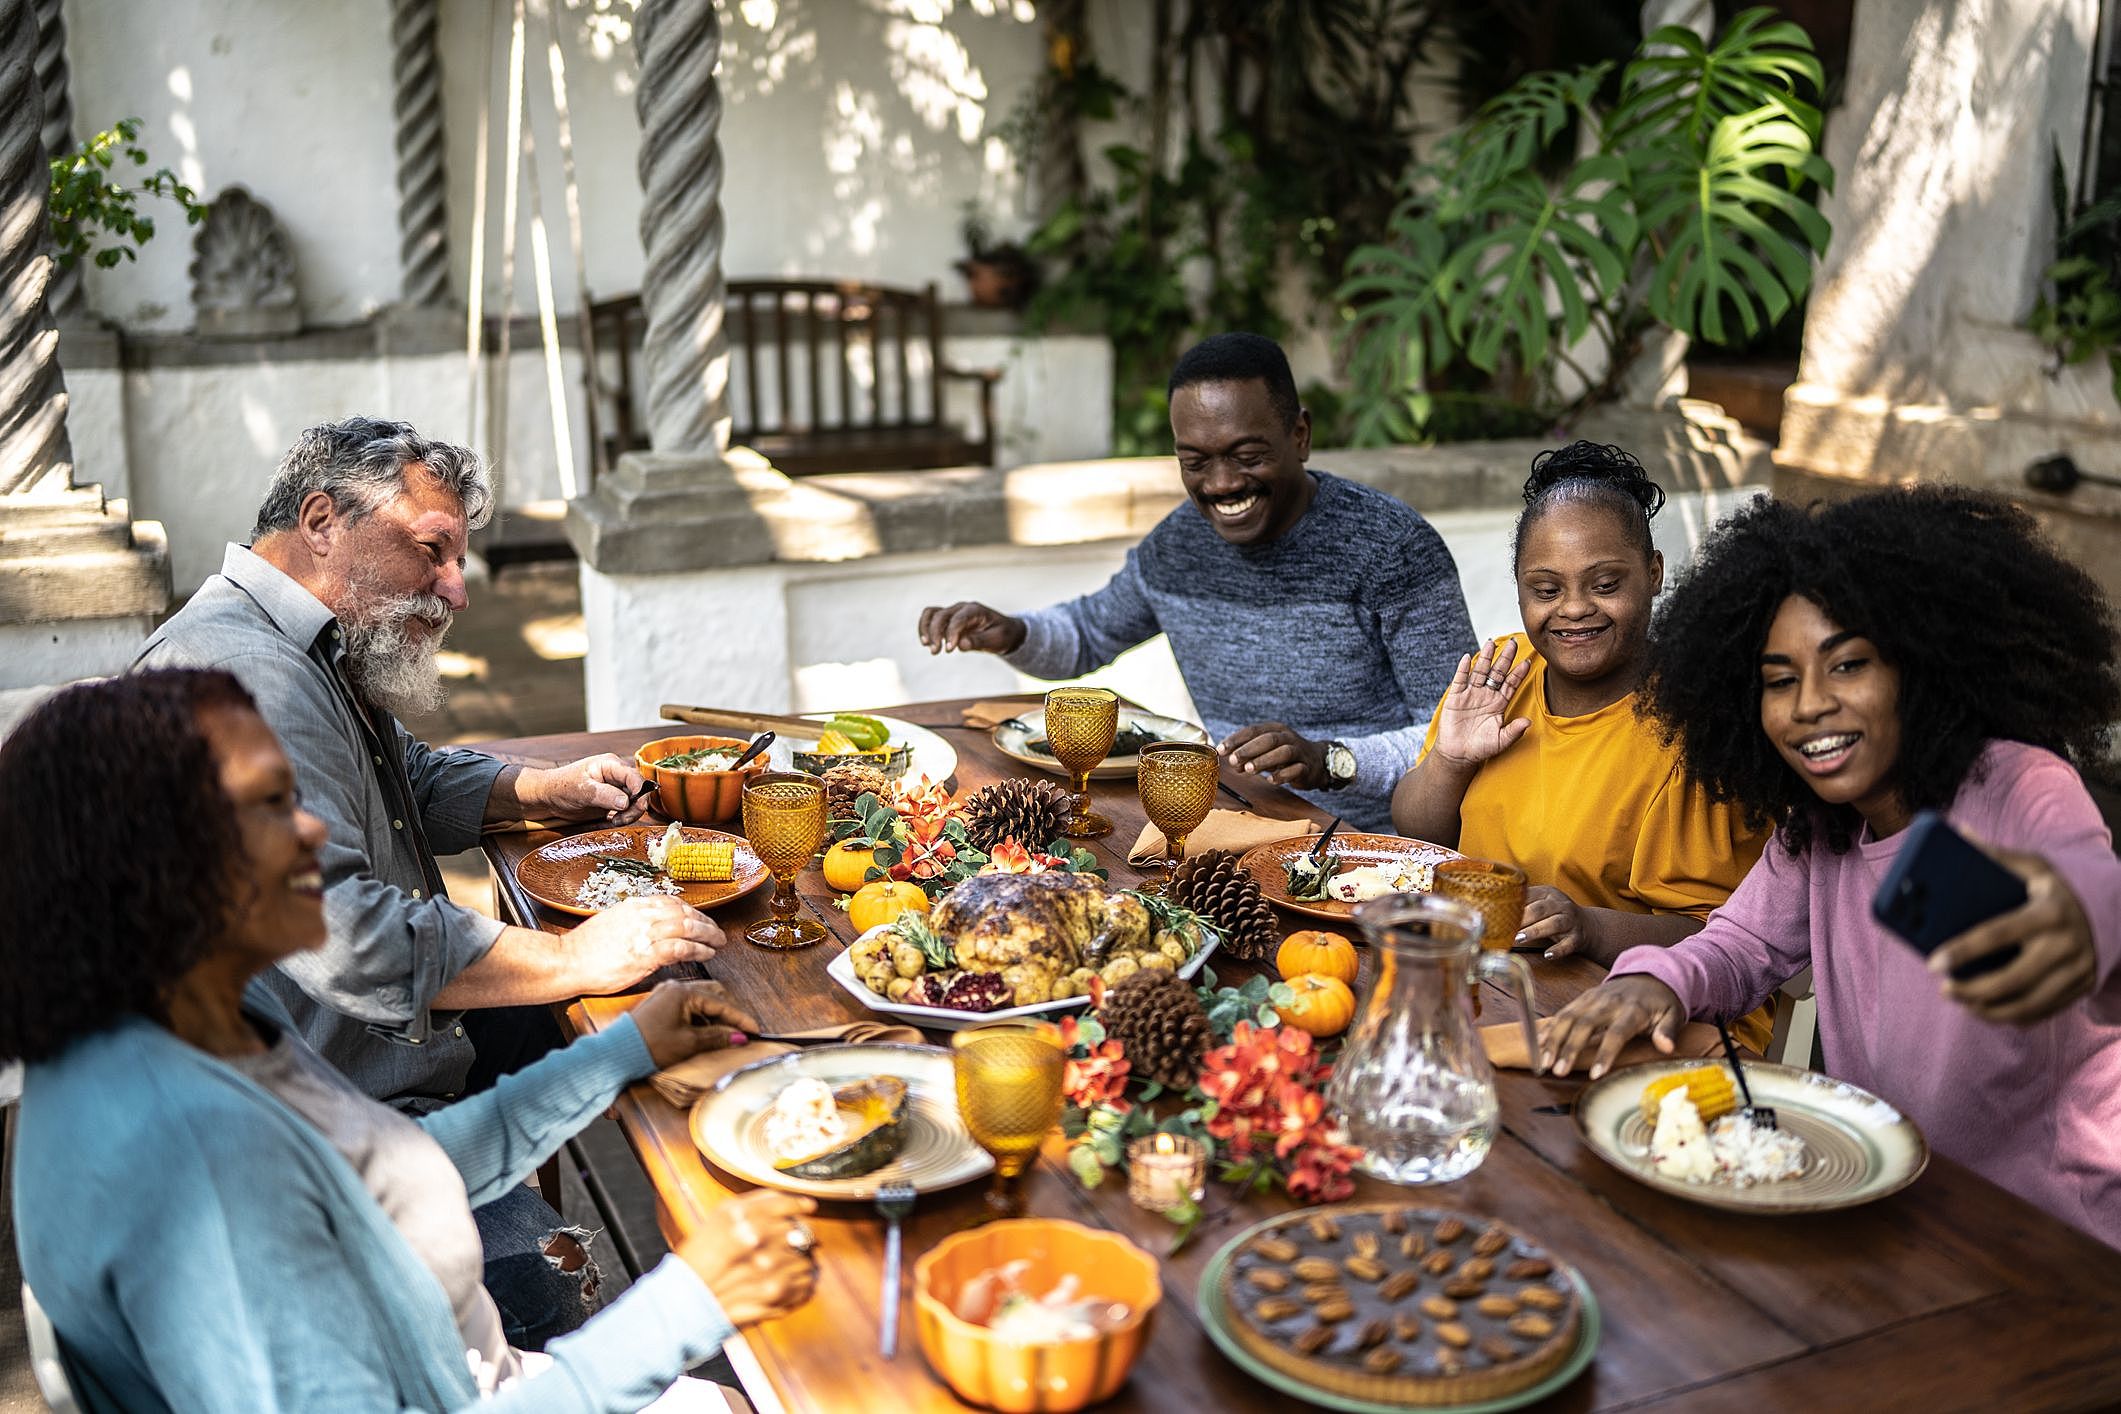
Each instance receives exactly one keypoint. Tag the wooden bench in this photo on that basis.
(824, 376)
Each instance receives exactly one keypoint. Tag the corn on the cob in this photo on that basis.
(1709, 1086)
(702, 862)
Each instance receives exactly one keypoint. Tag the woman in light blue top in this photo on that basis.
(212, 1217)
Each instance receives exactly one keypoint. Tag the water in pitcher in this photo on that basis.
(1413, 1088)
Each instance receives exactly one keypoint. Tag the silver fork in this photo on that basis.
(894, 1201)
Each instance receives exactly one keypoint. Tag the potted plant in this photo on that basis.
(998, 274)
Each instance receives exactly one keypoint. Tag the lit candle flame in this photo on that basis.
(1164, 1144)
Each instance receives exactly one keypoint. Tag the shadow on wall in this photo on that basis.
(854, 129)
(1930, 160)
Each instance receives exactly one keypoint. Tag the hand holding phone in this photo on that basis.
(1940, 886)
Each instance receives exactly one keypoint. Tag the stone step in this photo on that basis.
(64, 537)
(57, 508)
(109, 581)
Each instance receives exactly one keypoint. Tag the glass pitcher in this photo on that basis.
(1413, 1087)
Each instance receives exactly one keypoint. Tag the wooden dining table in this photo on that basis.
(1951, 1294)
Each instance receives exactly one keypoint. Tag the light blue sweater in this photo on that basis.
(200, 1246)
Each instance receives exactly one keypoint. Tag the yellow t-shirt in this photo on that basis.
(1598, 807)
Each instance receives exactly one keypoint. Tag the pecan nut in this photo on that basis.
(1442, 1308)
(1268, 1278)
(1490, 1242)
(1314, 1340)
(1365, 1269)
(1546, 1298)
(1497, 1307)
(1437, 1263)
(1399, 1286)
(1366, 1244)
(1531, 1325)
(1497, 1349)
(1317, 1269)
(1382, 1361)
(1464, 1288)
(1319, 1291)
(1333, 1312)
(1277, 1249)
(1372, 1333)
(1477, 1269)
(1525, 1268)
(1323, 1227)
(1406, 1327)
(1452, 1333)
(1449, 1230)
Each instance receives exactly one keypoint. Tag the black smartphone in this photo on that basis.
(1940, 886)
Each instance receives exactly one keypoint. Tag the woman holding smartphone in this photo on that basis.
(1834, 671)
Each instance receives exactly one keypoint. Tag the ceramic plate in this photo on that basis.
(841, 970)
(1858, 1147)
(932, 756)
(1013, 738)
(553, 874)
(1216, 1318)
(1268, 865)
(729, 1121)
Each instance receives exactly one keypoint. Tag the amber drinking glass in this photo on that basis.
(1177, 783)
(784, 818)
(1080, 725)
(1009, 1094)
(1495, 891)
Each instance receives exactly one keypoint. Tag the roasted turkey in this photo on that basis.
(1035, 929)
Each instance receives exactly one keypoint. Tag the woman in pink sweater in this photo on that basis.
(1835, 671)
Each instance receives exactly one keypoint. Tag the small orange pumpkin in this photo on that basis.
(882, 900)
(1323, 1005)
(847, 865)
(1318, 952)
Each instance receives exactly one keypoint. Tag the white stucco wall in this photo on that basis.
(38, 655)
(818, 636)
(853, 132)
(289, 100)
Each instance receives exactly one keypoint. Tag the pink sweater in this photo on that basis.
(2035, 1109)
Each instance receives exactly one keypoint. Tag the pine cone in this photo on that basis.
(848, 783)
(1159, 1021)
(1031, 812)
(1214, 886)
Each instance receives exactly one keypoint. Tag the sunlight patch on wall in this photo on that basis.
(459, 666)
(557, 638)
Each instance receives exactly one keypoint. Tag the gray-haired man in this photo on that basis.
(331, 618)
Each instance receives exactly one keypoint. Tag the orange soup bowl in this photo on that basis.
(987, 1370)
(696, 797)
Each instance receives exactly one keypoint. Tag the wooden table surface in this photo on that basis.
(1951, 1294)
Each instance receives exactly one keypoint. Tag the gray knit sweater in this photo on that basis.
(1347, 628)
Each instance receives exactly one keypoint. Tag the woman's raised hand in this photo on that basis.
(1470, 726)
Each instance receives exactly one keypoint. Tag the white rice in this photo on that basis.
(607, 886)
(1734, 1151)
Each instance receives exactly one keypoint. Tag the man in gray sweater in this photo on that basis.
(1316, 620)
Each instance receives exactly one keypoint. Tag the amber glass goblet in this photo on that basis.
(1009, 1094)
(784, 818)
(1080, 725)
(1177, 782)
(1495, 891)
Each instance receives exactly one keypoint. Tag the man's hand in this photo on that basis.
(583, 790)
(1276, 751)
(679, 1020)
(967, 627)
(632, 938)
(2056, 962)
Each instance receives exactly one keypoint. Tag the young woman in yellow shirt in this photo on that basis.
(1536, 755)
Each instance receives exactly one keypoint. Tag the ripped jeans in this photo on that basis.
(539, 1270)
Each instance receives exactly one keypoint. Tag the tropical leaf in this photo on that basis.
(1680, 85)
(1397, 333)
(1512, 129)
(1726, 217)
(1532, 241)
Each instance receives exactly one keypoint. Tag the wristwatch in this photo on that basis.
(1340, 765)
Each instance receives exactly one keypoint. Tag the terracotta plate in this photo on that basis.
(1268, 864)
(1013, 739)
(1857, 1147)
(553, 874)
(729, 1122)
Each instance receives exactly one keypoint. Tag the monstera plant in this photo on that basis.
(1552, 225)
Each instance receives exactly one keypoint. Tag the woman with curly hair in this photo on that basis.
(1833, 672)
(1537, 756)
(212, 1217)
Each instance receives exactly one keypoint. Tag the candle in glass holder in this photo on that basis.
(1165, 1171)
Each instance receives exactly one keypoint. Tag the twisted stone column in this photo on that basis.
(54, 83)
(423, 216)
(35, 454)
(682, 288)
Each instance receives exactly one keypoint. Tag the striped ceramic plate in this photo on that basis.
(1857, 1147)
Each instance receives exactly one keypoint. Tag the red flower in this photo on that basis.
(1099, 1078)
(1268, 1087)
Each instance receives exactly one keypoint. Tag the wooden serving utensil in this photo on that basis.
(1758, 1114)
(799, 727)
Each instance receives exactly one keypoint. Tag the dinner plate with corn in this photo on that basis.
(587, 873)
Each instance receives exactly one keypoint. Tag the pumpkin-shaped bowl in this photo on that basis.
(696, 797)
(986, 1369)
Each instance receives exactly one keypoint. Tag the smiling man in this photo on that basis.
(331, 618)
(1316, 620)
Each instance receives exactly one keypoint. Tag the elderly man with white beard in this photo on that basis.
(332, 618)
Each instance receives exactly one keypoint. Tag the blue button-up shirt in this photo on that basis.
(390, 802)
